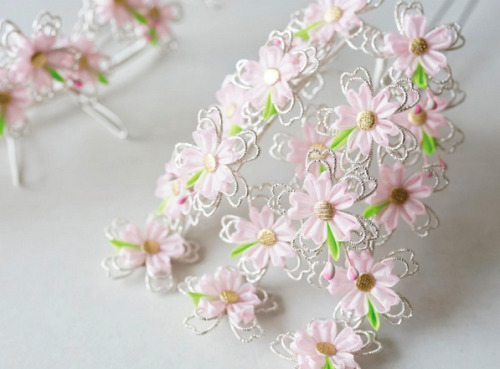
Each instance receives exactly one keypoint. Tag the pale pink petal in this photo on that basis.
(388, 217)
(355, 301)
(438, 38)
(414, 25)
(347, 340)
(314, 229)
(382, 298)
(340, 285)
(302, 206)
(132, 258)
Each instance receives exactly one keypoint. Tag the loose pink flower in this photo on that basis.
(300, 146)
(231, 99)
(322, 204)
(226, 292)
(159, 16)
(401, 194)
(119, 11)
(154, 247)
(89, 63)
(373, 284)
(271, 75)
(336, 16)
(209, 161)
(13, 102)
(171, 188)
(426, 117)
(35, 59)
(368, 117)
(272, 238)
(416, 46)
(322, 342)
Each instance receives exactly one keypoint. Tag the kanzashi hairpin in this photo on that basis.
(36, 68)
(363, 166)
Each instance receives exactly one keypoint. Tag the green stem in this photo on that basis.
(332, 244)
(119, 244)
(373, 210)
(341, 139)
(304, 32)
(240, 249)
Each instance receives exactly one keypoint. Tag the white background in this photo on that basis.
(58, 309)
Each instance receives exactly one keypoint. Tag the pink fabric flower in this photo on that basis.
(322, 342)
(231, 99)
(35, 58)
(271, 75)
(334, 15)
(368, 117)
(401, 194)
(416, 46)
(300, 146)
(89, 63)
(159, 17)
(155, 247)
(323, 203)
(228, 293)
(171, 188)
(120, 11)
(373, 283)
(426, 116)
(211, 160)
(272, 238)
(13, 102)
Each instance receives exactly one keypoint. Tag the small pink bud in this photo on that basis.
(78, 83)
(418, 109)
(183, 200)
(352, 273)
(442, 162)
(329, 271)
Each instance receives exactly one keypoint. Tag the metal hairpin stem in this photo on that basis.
(445, 7)
(13, 160)
(104, 116)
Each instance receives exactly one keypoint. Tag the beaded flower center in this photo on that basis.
(229, 296)
(39, 59)
(326, 348)
(121, 2)
(83, 62)
(320, 148)
(150, 246)
(398, 196)
(417, 119)
(418, 46)
(210, 163)
(175, 185)
(266, 237)
(230, 110)
(4, 98)
(333, 14)
(271, 76)
(324, 210)
(366, 120)
(154, 14)
(365, 282)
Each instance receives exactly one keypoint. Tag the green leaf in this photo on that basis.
(138, 16)
(373, 210)
(328, 364)
(331, 242)
(2, 122)
(341, 139)
(119, 244)
(269, 109)
(164, 203)
(304, 32)
(234, 129)
(420, 77)
(428, 143)
(192, 181)
(373, 316)
(240, 249)
(321, 168)
(196, 296)
(153, 35)
(102, 78)
(55, 75)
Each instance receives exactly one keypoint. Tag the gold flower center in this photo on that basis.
(210, 163)
(39, 59)
(320, 148)
(83, 63)
(175, 185)
(266, 237)
(4, 98)
(417, 119)
(418, 46)
(365, 282)
(271, 76)
(229, 296)
(333, 14)
(230, 110)
(398, 196)
(150, 246)
(324, 210)
(121, 2)
(154, 14)
(326, 348)
(366, 120)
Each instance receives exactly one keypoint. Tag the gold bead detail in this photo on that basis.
(366, 120)
(418, 46)
(365, 282)
(417, 119)
(120, 2)
(326, 348)
(266, 237)
(324, 210)
(210, 163)
(229, 296)
(398, 196)
(319, 147)
(150, 246)
(333, 14)
(175, 185)
(230, 110)
(4, 98)
(83, 63)
(271, 76)
(39, 59)
(154, 14)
